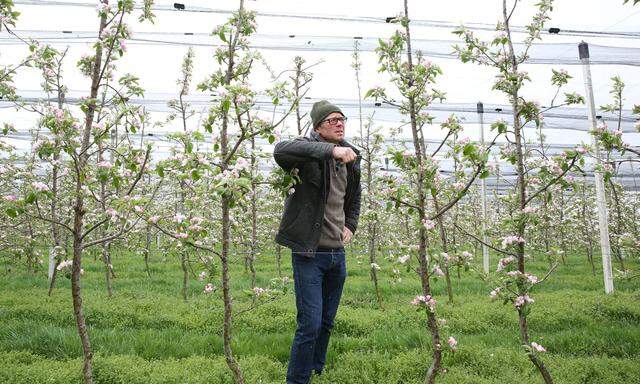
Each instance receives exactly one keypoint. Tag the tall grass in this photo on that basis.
(146, 333)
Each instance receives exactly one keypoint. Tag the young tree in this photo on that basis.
(81, 140)
(232, 108)
(413, 77)
(532, 180)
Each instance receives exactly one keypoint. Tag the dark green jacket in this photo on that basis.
(303, 215)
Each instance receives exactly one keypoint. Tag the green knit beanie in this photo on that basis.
(321, 110)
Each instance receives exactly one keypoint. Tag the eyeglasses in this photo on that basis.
(334, 120)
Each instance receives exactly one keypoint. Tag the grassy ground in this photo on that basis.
(146, 333)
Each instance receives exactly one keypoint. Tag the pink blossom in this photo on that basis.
(106, 33)
(181, 235)
(581, 150)
(538, 347)
(428, 301)
(464, 141)
(10, 198)
(64, 264)
(513, 273)
(508, 240)
(520, 300)
(532, 278)
(494, 294)
(467, 255)
(42, 187)
(138, 209)
(428, 224)
(179, 218)
(222, 91)
(503, 262)
(528, 210)
(437, 271)
(452, 342)
(291, 191)
(259, 291)
(103, 8)
(123, 46)
(202, 275)
(459, 185)
(209, 288)
(154, 219)
(404, 259)
(58, 113)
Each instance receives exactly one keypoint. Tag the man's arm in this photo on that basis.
(289, 153)
(352, 213)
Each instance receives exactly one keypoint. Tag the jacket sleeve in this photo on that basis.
(352, 214)
(289, 153)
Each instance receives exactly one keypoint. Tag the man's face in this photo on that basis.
(329, 132)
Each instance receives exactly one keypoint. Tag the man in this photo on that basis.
(319, 217)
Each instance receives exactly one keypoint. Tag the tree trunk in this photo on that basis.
(279, 259)
(106, 259)
(445, 246)
(226, 296)
(433, 370)
(147, 250)
(185, 275)
(618, 226)
(372, 260)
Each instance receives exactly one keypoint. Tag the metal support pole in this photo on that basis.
(52, 262)
(483, 193)
(583, 49)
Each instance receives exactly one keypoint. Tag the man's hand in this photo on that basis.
(346, 235)
(344, 154)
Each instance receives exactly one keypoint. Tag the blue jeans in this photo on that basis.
(318, 287)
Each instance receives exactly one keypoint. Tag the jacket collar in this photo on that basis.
(315, 136)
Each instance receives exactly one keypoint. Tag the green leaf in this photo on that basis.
(226, 104)
(11, 212)
(468, 149)
(160, 171)
(222, 36)
(31, 198)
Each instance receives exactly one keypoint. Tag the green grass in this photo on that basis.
(146, 333)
